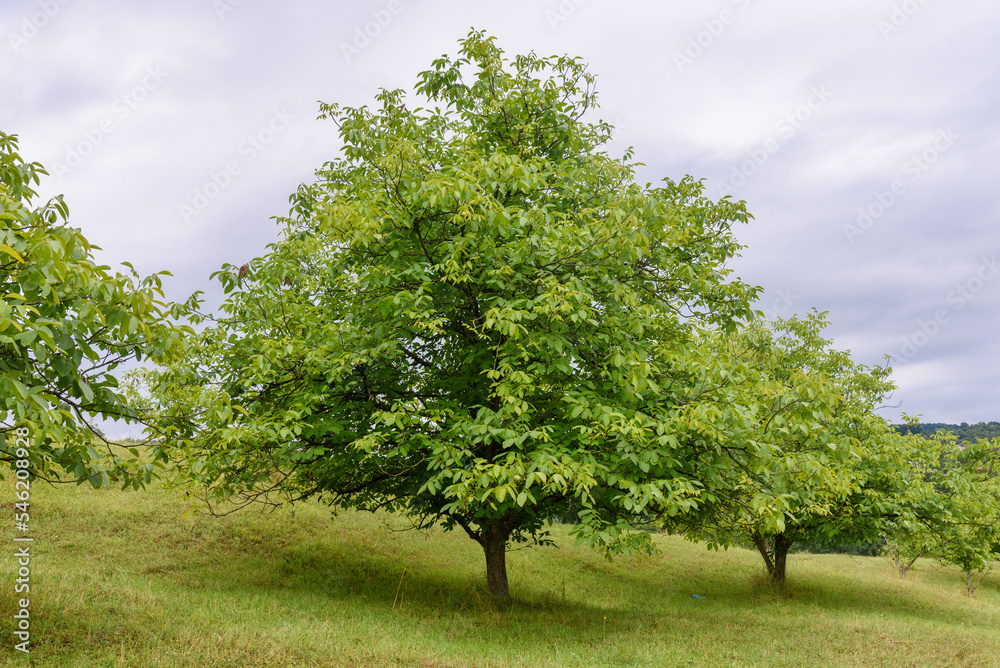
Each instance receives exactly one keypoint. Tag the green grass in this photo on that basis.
(132, 579)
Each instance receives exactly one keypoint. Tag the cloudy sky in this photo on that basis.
(863, 135)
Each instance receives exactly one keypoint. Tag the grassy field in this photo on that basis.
(136, 579)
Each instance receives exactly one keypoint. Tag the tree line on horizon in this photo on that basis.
(964, 432)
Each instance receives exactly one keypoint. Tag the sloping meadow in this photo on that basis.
(147, 579)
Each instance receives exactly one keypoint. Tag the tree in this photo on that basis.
(65, 324)
(970, 491)
(917, 531)
(951, 504)
(806, 457)
(474, 316)
(904, 547)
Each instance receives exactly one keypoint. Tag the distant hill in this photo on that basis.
(965, 431)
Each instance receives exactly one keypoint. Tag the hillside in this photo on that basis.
(964, 432)
(129, 579)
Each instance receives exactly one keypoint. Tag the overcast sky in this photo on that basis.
(863, 134)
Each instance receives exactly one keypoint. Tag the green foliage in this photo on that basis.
(474, 316)
(65, 324)
(950, 504)
(904, 546)
(808, 460)
(965, 432)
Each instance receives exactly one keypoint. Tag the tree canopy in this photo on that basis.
(66, 323)
(949, 503)
(808, 459)
(474, 316)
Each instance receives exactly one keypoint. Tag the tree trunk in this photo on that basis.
(899, 558)
(781, 546)
(775, 555)
(494, 542)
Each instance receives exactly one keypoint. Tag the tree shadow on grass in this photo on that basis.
(441, 575)
(445, 582)
(839, 592)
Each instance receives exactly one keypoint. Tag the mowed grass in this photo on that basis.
(136, 579)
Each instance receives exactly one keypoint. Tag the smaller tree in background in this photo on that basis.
(808, 460)
(66, 323)
(904, 547)
(949, 504)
